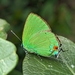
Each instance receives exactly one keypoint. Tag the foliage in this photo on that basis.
(8, 56)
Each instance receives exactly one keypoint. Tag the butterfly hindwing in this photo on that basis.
(42, 43)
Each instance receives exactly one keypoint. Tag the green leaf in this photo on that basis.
(63, 65)
(8, 56)
(3, 34)
(4, 27)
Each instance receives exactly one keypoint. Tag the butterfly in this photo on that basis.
(37, 37)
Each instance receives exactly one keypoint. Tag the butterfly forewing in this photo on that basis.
(33, 25)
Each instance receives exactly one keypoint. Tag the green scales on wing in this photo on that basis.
(38, 38)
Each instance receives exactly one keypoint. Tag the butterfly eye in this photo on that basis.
(55, 47)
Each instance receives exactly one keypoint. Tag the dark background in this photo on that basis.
(60, 14)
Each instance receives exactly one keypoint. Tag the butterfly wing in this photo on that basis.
(37, 37)
(43, 43)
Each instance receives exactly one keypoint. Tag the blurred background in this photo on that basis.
(60, 15)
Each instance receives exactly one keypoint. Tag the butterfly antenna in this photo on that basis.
(19, 40)
(16, 36)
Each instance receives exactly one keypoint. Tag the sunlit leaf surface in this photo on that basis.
(8, 56)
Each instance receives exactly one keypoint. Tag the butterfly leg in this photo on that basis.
(61, 50)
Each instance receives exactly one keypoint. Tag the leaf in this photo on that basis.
(3, 35)
(4, 27)
(63, 65)
(8, 56)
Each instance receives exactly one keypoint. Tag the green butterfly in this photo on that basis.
(38, 38)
